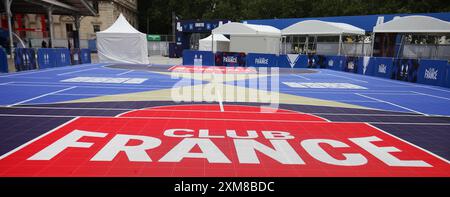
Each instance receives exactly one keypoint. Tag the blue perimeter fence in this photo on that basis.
(423, 71)
(29, 58)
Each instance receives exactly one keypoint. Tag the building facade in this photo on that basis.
(63, 26)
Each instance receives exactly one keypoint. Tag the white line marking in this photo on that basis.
(347, 91)
(125, 73)
(85, 86)
(297, 75)
(393, 115)
(44, 95)
(63, 94)
(405, 94)
(35, 139)
(431, 95)
(429, 152)
(375, 99)
(66, 108)
(392, 81)
(67, 73)
(348, 78)
(219, 96)
(45, 70)
(90, 84)
(7, 83)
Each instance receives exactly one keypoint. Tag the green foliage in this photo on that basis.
(159, 12)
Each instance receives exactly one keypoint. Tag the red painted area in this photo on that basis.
(76, 162)
(212, 69)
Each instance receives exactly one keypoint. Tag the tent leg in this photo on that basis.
(340, 44)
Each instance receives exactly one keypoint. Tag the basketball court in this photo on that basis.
(109, 120)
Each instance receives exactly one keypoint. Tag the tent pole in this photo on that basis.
(315, 44)
(372, 42)
(306, 44)
(363, 45)
(340, 44)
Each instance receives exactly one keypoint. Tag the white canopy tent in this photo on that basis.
(122, 43)
(221, 43)
(408, 26)
(316, 27)
(251, 38)
(413, 24)
(322, 28)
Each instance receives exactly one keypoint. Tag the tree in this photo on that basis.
(159, 11)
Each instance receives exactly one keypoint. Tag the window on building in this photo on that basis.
(96, 28)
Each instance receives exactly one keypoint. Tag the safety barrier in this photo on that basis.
(85, 56)
(53, 57)
(3, 61)
(198, 58)
(29, 58)
(261, 60)
(75, 56)
(230, 59)
(24, 59)
(433, 72)
(423, 71)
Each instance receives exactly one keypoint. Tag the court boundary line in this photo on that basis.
(393, 104)
(409, 143)
(78, 71)
(43, 95)
(430, 95)
(347, 78)
(20, 73)
(85, 86)
(392, 80)
(36, 138)
(118, 85)
(120, 74)
(297, 75)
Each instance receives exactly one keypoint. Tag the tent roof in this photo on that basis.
(316, 27)
(235, 28)
(414, 24)
(217, 37)
(121, 26)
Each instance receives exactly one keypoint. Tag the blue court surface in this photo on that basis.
(39, 107)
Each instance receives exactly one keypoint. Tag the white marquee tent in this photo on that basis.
(316, 27)
(418, 25)
(221, 43)
(251, 38)
(122, 43)
(413, 24)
